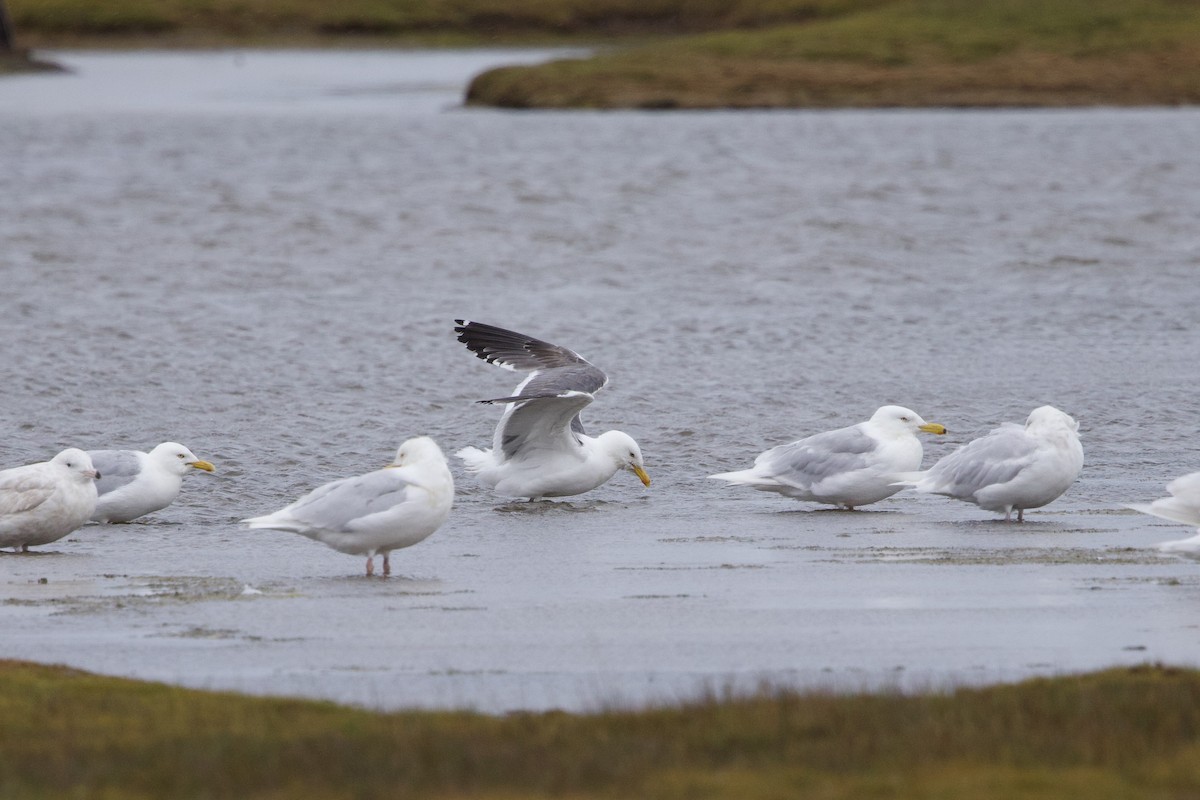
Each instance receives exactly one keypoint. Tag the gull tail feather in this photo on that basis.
(744, 477)
(1165, 509)
(474, 459)
(277, 523)
(908, 480)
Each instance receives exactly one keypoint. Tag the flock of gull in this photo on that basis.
(540, 449)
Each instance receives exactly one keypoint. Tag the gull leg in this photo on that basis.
(1020, 515)
(370, 566)
(387, 565)
(1008, 514)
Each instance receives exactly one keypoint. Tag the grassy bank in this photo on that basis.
(713, 53)
(900, 53)
(1129, 733)
(165, 22)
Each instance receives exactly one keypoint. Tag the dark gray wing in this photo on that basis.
(987, 461)
(555, 369)
(335, 506)
(812, 460)
(513, 350)
(117, 468)
(555, 372)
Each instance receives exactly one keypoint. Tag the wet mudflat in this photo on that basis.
(261, 255)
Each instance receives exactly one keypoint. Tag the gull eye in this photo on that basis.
(904, 419)
(180, 455)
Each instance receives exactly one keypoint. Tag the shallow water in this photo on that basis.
(261, 255)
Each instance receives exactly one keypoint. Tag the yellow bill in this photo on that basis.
(641, 473)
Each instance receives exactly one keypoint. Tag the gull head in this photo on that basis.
(178, 459)
(625, 451)
(78, 462)
(418, 450)
(1049, 418)
(900, 419)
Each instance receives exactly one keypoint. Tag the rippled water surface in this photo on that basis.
(261, 255)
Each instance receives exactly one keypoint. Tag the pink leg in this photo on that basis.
(370, 566)
(1020, 515)
(387, 565)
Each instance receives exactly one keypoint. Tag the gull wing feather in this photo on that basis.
(24, 489)
(1182, 506)
(1186, 487)
(513, 350)
(540, 423)
(809, 461)
(117, 468)
(337, 506)
(555, 372)
(990, 460)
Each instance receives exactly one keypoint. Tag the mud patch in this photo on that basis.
(998, 556)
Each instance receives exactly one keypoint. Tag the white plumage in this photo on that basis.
(1182, 506)
(378, 512)
(847, 467)
(539, 448)
(1013, 468)
(134, 483)
(41, 503)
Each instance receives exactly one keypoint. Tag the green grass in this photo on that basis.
(899, 53)
(1126, 733)
(970, 31)
(45, 22)
(714, 53)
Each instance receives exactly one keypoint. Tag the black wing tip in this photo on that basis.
(489, 341)
(466, 331)
(514, 350)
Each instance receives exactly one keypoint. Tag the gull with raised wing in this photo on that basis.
(847, 467)
(540, 448)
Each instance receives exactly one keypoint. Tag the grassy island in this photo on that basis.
(906, 53)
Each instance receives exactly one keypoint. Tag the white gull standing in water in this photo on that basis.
(136, 483)
(1182, 506)
(378, 512)
(1012, 468)
(41, 503)
(539, 448)
(847, 467)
